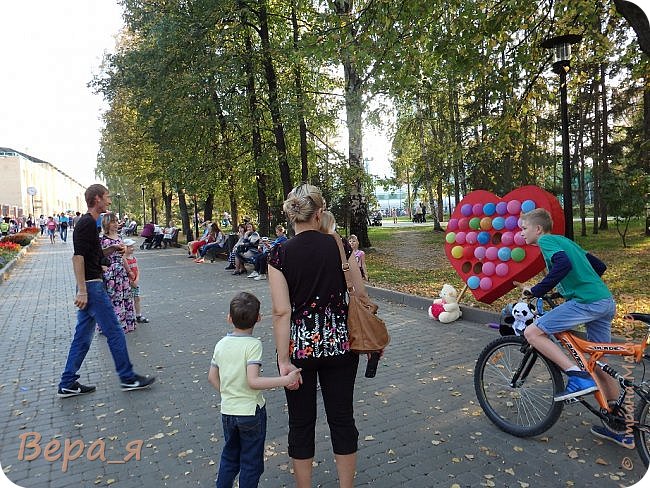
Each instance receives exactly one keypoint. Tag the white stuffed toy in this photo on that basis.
(523, 316)
(446, 308)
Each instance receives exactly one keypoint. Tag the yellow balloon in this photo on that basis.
(457, 252)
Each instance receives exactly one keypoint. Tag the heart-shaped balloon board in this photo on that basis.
(484, 244)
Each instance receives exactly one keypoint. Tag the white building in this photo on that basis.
(55, 191)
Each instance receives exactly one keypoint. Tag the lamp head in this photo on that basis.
(561, 46)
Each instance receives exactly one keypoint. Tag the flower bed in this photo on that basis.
(22, 238)
(8, 251)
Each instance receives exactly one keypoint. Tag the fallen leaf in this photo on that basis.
(369, 438)
(602, 462)
(573, 454)
(510, 471)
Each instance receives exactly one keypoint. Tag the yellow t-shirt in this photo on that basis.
(232, 355)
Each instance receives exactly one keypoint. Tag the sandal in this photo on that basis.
(141, 320)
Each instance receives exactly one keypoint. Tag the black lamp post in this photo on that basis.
(144, 210)
(119, 204)
(561, 65)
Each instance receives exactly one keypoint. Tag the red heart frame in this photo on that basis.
(470, 268)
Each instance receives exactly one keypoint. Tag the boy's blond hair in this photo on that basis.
(539, 216)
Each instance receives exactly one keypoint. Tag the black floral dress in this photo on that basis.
(116, 279)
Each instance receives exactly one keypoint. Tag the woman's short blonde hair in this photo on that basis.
(107, 218)
(303, 202)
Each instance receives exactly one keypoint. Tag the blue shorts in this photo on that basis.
(596, 316)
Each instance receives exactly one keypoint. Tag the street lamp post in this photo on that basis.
(561, 46)
(119, 204)
(144, 214)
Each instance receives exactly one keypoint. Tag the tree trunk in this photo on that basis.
(167, 200)
(637, 20)
(598, 157)
(185, 217)
(604, 168)
(208, 210)
(274, 104)
(300, 100)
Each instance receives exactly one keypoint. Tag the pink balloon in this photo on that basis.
(519, 239)
(492, 253)
(460, 238)
(470, 238)
(502, 269)
(514, 207)
(507, 238)
(488, 268)
(485, 283)
(477, 209)
(452, 224)
(479, 252)
(463, 224)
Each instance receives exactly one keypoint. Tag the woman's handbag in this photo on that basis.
(366, 331)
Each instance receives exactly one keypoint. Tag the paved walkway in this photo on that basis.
(419, 422)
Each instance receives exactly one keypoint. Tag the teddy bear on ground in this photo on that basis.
(446, 308)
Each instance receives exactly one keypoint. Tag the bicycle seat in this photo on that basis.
(643, 317)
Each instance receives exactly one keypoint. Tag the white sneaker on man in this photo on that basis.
(260, 277)
(253, 274)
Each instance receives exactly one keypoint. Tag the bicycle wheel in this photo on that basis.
(528, 408)
(642, 433)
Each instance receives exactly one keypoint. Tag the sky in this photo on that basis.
(50, 51)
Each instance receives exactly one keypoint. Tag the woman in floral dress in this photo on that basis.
(116, 276)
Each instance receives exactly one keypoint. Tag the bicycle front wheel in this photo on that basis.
(526, 407)
(642, 432)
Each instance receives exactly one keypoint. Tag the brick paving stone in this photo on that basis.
(420, 424)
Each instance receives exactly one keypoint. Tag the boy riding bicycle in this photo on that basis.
(576, 274)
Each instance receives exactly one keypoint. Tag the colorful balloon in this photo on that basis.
(457, 252)
(463, 224)
(477, 209)
(504, 253)
(452, 224)
(527, 206)
(479, 252)
(466, 209)
(488, 268)
(489, 208)
(502, 208)
(492, 253)
(507, 238)
(502, 269)
(518, 254)
(475, 223)
(450, 237)
(511, 222)
(485, 283)
(470, 238)
(473, 282)
(486, 223)
(460, 237)
(497, 222)
(483, 237)
(519, 239)
(514, 207)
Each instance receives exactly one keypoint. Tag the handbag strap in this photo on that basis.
(345, 266)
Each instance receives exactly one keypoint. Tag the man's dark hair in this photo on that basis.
(244, 310)
(93, 191)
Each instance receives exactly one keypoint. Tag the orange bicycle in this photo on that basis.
(515, 385)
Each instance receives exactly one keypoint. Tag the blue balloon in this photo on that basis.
(489, 208)
(483, 237)
(527, 206)
(498, 223)
(473, 282)
(504, 254)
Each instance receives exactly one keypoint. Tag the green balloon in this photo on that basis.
(475, 223)
(518, 254)
(450, 237)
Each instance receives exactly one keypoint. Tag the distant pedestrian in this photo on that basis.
(393, 213)
(63, 226)
(235, 372)
(51, 229)
(94, 305)
(75, 219)
(424, 211)
(359, 255)
(134, 279)
(41, 223)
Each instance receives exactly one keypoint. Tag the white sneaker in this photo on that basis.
(260, 277)
(253, 274)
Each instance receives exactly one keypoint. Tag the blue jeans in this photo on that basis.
(63, 232)
(243, 451)
(597, 316)
(204, 250)
(98, 311)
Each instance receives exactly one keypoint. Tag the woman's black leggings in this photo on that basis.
(336, 375)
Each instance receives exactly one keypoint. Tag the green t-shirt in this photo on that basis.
(582, 283)
(232, 355)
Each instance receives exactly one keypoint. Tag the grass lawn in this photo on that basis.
(411, 259)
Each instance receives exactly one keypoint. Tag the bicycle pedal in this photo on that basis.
(569, 401)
